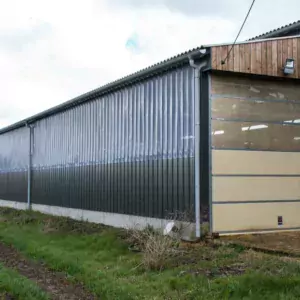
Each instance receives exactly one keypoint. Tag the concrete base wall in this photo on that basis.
(110, 219)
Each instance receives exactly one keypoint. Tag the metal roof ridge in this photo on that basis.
(254, 41)
(277, 30)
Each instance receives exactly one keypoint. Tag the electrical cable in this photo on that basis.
(223, 61)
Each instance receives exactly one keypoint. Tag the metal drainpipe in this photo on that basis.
(30, 127)
(197, 74)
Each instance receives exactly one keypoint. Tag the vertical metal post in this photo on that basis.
(197, 99)
(30, 127)
(210, 157)
(197, 153)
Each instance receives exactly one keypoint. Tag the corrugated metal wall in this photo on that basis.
(130, 151)
(14, 149)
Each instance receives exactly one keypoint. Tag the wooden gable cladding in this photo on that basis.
(263, 57)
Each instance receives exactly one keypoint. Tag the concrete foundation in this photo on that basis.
(110, 219)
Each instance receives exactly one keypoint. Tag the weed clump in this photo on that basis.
(158, 251)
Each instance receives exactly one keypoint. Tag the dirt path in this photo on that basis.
(55, 284)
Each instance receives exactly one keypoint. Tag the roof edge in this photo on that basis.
(254, 41)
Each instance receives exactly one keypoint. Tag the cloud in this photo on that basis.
(266, 15)
(17, 39)
(197, 8)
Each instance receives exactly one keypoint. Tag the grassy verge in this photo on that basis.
(19, 287)
(99, 257)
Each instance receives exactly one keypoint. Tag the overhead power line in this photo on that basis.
(223, 61)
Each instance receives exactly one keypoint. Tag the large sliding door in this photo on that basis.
(255, 154)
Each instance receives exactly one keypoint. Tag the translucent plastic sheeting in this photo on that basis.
(14, 150)
(150, 120)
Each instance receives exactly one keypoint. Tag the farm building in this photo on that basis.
(201, 133)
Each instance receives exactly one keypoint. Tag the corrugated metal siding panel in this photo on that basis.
(14, 147)
(14, 150)
(130, 151)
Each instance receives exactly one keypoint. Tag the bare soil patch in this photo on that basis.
(54, 283)
(286, 243)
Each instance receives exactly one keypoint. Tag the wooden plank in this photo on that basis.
(284, 51)
(258, 58)
(242, 58)
(269, 58)
(236, 58)
(274, 58)
(230, 59)
(290, 51)
(264, 58)
(253, 59)
(295, 54)
(290, 48)
(247, 51)
(214, 57)
(219, 58)
(224, 53)
(279, 57)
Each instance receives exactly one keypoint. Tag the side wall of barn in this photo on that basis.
(14, 153)
(127, 153)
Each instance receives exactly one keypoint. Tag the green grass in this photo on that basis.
(102, 261)
(18, 286)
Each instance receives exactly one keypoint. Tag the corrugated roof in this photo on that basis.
(278, 31)
(137, 76)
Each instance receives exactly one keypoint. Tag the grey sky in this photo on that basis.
(51, 51)
(195, 8)
(266, 14)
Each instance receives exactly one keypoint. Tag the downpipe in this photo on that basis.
(197, 99)
(29, 173)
